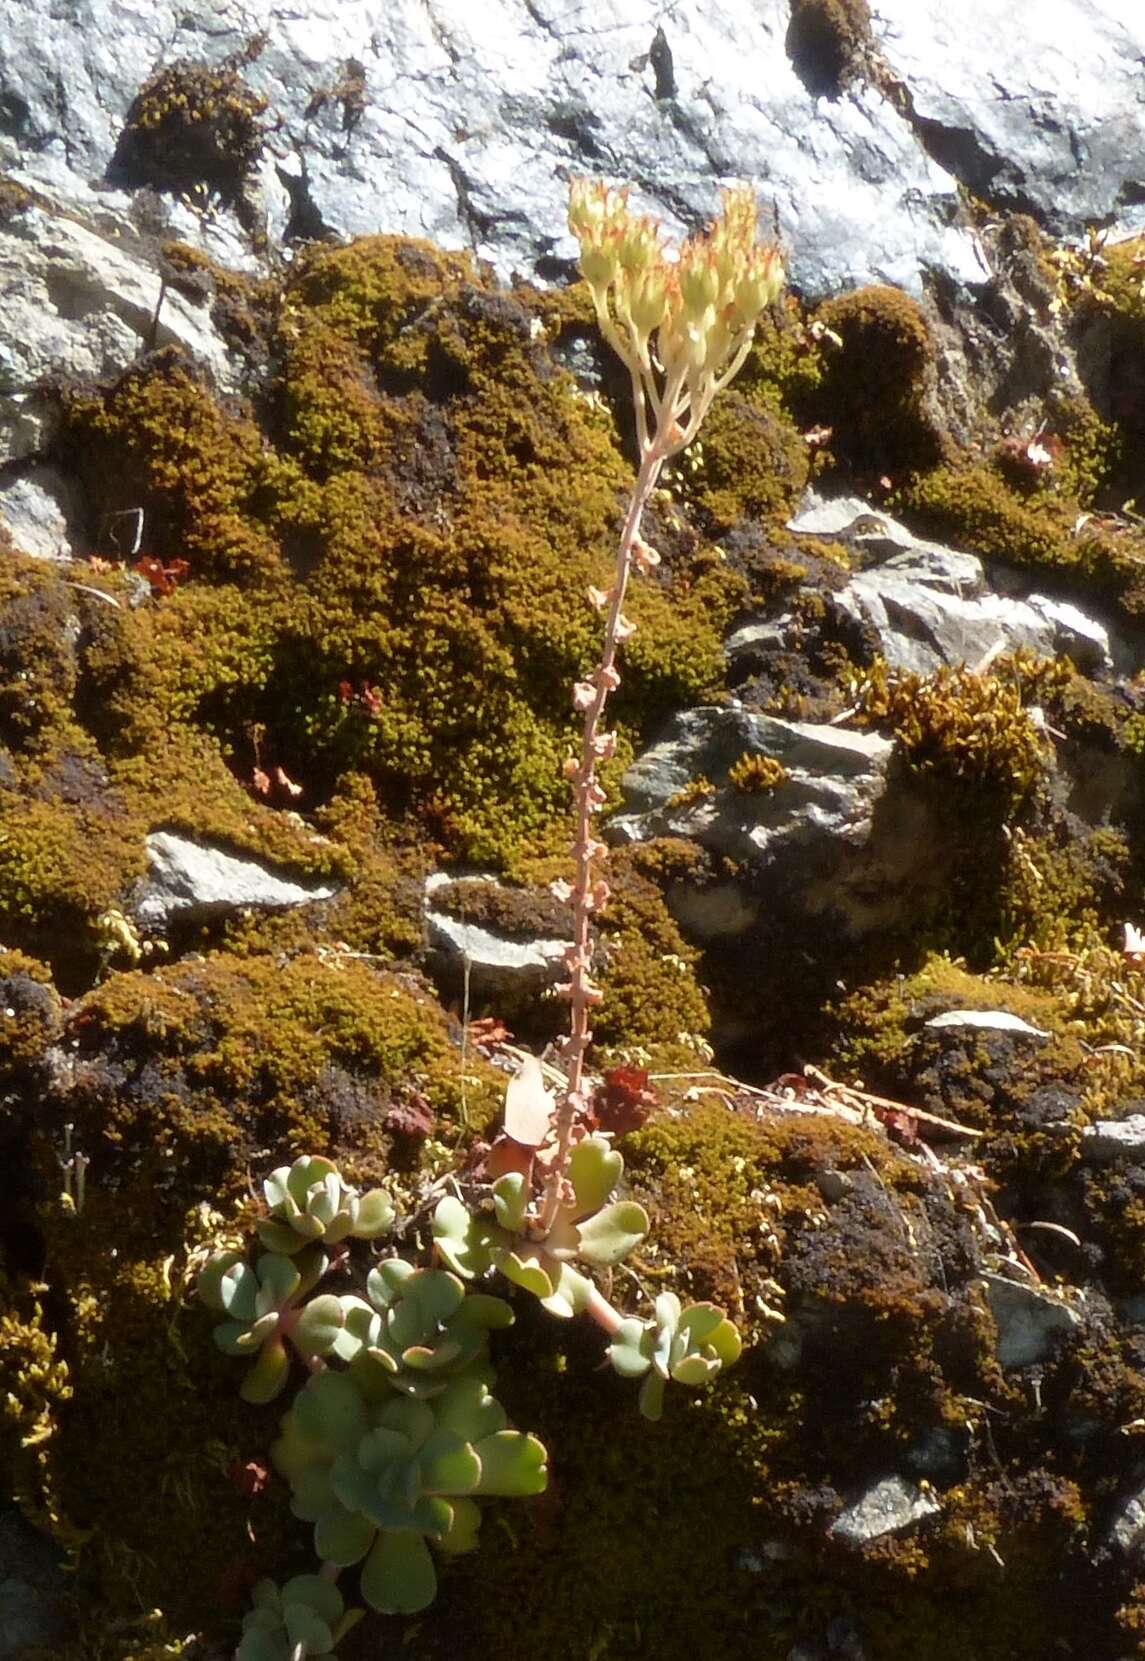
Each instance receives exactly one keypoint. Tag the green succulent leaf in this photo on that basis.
(570, 1292)
(303, 1626)
(229, 1285)
(513, 1464)
(694, 1370)
(398, 1577)
(279, 1237)
(631, 1348)
(319, 1326)
(342, 1536)
(259, 1645)
(317, 1593)
(526, 1272)
(595, 1168)
(483, 1313)
(269, 1373)
(652, 1397)
(511, 1201)
(611, 1234)
(706, 1325)
(312, 1493)
(374, 1215)
(448, 1466)
(279, 1280)
(462, 1533)
(330, 1412)
(466, 1408)
(464, 1243)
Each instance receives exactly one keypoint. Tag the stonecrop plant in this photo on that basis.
(395, 1436)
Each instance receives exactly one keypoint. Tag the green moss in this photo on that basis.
(158, 441)
(753, 772)
(390, 580)
(652, 999)
(191, 125)
(962, 725)
(749, 464)
(876, 379)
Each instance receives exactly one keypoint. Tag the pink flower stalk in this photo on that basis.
(683, 325)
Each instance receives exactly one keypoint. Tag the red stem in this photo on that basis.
(584, 783)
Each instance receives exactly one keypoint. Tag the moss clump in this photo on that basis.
(696, 790)
(965, 726)
(753, 773)
(751, 463)
(232, 1055)
(158, 441)
(826, 40)
(876, 381)
(191, 126)
(419, 523)
(652, 999)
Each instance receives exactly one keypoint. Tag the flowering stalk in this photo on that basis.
(683, 326)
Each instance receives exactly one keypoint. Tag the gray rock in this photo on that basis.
(1109, 1139)
(928, 605)
(80, 301)
(887, 1507)
(1029, 1320)
(39, 510)
(833, 779)
(34, 1589)
(508, 971)
(470, 124)
(984, 1020)
(1035, 107)
(1127, 1530)
(931, 607)
(186, 880)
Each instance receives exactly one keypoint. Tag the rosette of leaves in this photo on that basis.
(418, 1327)
(262, 1308)
(309, 1202)
(305, 1617)
(688, 1345)
(383, 1477)
(590, 1227)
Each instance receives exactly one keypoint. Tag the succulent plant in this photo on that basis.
(379, 1477)
(689, 1345)
(305, 1617)
(586, 1227)
(419, 1327)
(262, 1306)
(309, 1201)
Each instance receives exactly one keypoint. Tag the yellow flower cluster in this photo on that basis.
(701, 303)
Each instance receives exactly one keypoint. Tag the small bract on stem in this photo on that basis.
(683, 326)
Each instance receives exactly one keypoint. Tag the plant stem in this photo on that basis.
(581, 991)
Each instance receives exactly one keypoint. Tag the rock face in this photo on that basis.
(422, 121)
(831, 781)
(888, 1507)
(924, 605)
(507, 968)
(186, 881)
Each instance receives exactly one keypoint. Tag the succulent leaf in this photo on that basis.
(398, 1577)
(528, 1105)
(465, 1243)
(511, 1201)
(512, 1464)
(342, 1536)
(609, 1235)
(595, 1168)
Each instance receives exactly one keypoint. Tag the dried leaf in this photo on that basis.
(528, 1105)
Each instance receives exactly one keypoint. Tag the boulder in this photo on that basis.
(187, 881)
